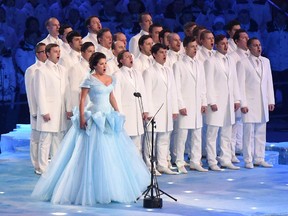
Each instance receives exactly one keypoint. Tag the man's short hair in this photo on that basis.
(154, 25)
(63, 27)
(219, 38)
(236, 36)
(71, 35)
(88, 20)
(203, 33)
(101, 33)
(156, 47)
(231, 24)
(49, 47)
(249, 42)
(86, 45)
(188, 40)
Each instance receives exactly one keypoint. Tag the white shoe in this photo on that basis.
(214, 168)
(198, 168)
(230, 166)
(249, 165)
(182, 170)
(235, 159)
(167, 171)
(263, 164)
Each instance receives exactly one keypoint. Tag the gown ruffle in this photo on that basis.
(98, 165)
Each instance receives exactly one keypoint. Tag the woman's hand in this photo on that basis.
(83, 123)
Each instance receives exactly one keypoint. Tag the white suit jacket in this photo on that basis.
(172, 57)
(112, 66)
(161, 90)
(76, 74)
(222, 90)
(108, 52)
(232, 46)
(256, 87)
(69, 60)
(29, 84)
(142, 62)
(128, 104)
(133, 43)
(204, 54)
(52, 96)
(90, 37)
(49, 39)
(191, 91)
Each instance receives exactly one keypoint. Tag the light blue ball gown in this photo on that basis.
(98, 165)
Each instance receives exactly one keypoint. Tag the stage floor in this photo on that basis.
(260, 191)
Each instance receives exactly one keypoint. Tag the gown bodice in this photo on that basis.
(99, 94)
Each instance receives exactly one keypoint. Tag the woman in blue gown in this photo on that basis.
(97, 161)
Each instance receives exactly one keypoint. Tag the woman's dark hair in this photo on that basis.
(94, 59)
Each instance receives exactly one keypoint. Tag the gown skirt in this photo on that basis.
(98, 165)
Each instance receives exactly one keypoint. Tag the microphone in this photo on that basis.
(137, 94)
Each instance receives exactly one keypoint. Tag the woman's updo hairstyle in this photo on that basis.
(95, 58)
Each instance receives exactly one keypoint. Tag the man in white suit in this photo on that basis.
(207, 42)
(78, 71)
(112, 64)
(174, 53)
(145, 58)
(223, 99)
(145, 21)
(160, 87)
(74, 40)
(93, 25)
(129, 82)
(232, 27)
(104, 38)
(52, 95)
(240, 37)
(191, 93)
(256, 87)
(29, 84)
(52, 26)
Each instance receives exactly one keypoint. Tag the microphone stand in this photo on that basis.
(152, 200)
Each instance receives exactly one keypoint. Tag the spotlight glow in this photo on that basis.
(2, 192)
(79, 211)
(59, 213)
(150, 210)
(272, 145)
(237, 198)
(230, 179)
(196, 199)
(254, 208)
(188, 191)
(209, 209)
(261, 182)
(170, 183)
(128, 206)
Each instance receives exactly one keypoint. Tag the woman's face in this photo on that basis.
(100, 68)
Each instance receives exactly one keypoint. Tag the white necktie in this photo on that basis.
(130, 73)
(225, 60)
(164, 73)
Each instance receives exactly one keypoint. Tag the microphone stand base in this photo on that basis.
(152, 202)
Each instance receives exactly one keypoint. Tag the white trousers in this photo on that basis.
(237, 137)
(161, 147)
(34, 145)
(225, 147)
(254, 133)
(47, 140)
(195, 146)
